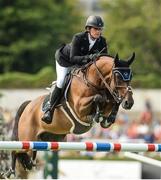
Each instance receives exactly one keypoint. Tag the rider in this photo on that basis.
(83, 48)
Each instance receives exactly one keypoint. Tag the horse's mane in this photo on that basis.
(90, 63)
(120, 63)
(108, 55)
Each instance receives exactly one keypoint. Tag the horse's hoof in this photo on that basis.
(96, 118)
(8, 174)
(1, 175)
(105, 124)
(29, 165)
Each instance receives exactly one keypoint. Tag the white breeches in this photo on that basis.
(61, 73)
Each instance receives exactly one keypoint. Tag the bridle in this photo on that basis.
(126, 76)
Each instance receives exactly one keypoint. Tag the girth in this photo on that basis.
(78, 126)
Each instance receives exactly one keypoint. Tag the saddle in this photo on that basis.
(65, 88)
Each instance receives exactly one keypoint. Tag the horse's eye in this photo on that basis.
(119, 80)
(118, 76)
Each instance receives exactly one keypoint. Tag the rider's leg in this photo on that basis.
(56, 93)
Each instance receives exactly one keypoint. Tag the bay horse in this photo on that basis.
(93, 95)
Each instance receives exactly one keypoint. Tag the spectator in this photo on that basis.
(147, 115)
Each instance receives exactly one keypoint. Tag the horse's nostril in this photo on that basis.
(126, 103)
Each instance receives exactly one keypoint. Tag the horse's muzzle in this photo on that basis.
(127, 104)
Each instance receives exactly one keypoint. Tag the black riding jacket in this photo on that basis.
(74, 53)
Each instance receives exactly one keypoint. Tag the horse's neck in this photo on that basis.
(104, 66)
(81, 96)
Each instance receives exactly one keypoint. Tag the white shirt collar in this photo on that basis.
(91, 41)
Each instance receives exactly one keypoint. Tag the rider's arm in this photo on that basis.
(76, 57)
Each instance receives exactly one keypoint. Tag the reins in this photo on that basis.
(113, 94)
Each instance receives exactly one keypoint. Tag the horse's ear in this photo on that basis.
(131, 59)
(116, 58)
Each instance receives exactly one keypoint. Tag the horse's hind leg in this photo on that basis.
(21, 162)
(10, 171)
(13, 164)
(20, 171)
(24, 164)
(25, 160)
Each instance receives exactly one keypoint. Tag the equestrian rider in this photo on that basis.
(80, 51)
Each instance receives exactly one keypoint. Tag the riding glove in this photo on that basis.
(86, 59)
(93, 57)
(89, 58)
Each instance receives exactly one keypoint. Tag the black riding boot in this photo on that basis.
(54, 98)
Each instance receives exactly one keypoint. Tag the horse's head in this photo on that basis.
(114, 75)
(120, 83)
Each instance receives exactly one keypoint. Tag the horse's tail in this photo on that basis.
(17, 117)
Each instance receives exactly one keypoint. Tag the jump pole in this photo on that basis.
(79, 146)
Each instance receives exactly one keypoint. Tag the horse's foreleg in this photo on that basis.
(98, 100)
(108, 121)
(98, 115)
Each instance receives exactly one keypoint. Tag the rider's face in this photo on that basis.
(95, 32)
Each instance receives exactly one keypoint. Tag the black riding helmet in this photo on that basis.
(94, 21)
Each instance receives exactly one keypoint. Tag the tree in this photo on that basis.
(135, 25)
(30, 32)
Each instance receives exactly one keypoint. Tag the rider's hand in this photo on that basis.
(93, 57)
(89, 58)
(86, 60)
